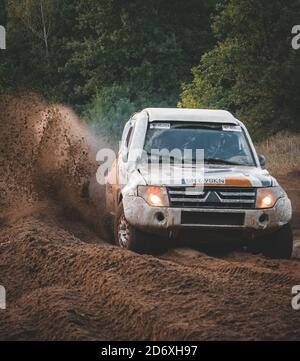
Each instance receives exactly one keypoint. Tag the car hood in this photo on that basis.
(211, 175)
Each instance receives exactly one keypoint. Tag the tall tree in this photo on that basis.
(37, 34)
(146, 47)
(253, 71)
(2, 12)
(37, 16)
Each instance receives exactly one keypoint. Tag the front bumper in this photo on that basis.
(168, 220)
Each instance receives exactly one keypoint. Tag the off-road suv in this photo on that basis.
(151, 190)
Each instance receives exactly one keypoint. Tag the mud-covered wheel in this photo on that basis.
(276, 245)
(128, 237)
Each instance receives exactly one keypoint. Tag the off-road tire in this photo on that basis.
(128, 237)
(276, 245)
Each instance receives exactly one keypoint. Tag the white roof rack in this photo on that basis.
(190, 115)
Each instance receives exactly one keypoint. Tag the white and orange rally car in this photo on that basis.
(195, 172)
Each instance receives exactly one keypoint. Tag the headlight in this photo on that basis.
(267, 197)
(155, 196)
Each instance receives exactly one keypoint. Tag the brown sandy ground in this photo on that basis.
(64, 282)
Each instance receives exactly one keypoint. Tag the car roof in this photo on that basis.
(191, 115)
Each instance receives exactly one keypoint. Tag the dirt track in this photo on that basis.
(64, 283)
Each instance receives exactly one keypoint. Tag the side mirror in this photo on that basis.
(262, 160)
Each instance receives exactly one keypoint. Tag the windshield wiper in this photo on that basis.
(220, 161)
(162, 158)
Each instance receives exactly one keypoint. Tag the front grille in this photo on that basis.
(212, 197)
(212, 218)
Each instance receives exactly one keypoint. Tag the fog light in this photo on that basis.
(160, 216)
(263, 218)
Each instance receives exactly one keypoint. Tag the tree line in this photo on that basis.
(110, 58)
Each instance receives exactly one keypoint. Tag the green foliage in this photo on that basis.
(105, 56)
(114, 105)
(132, 55)
(253, 70)
(109, 110)
(26, 63)
(109, 58)
(150, 45)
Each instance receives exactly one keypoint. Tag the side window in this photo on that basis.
(125, 131)
(124, 135)
(129, 137)
(126, 143)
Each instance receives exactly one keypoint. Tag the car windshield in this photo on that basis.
(221, 143)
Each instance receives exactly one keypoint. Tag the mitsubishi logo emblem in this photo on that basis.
(213, 197)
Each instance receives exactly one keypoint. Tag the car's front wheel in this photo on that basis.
(276, 245)
(128, 237)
